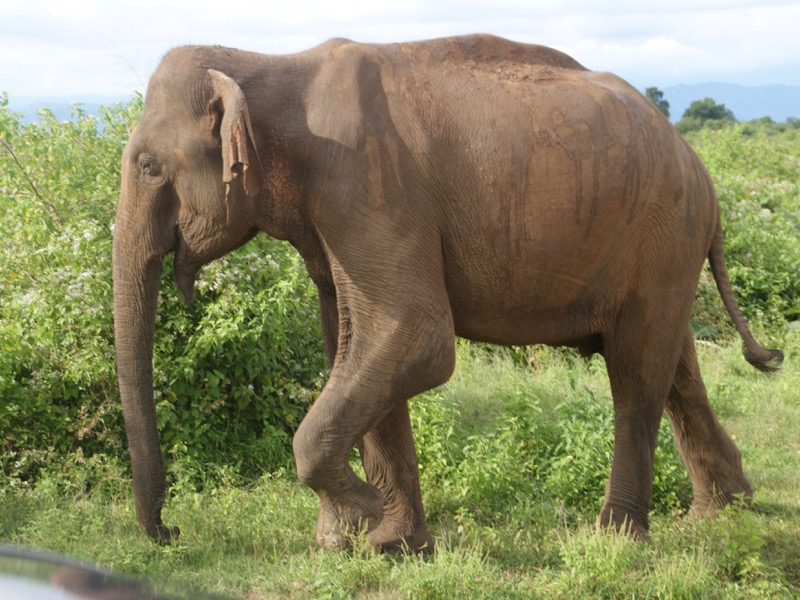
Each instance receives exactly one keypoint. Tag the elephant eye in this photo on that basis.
(149, 167)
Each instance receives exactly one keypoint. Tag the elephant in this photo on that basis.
(467, 187)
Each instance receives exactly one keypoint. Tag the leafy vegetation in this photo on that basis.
(656, 96)
(705, 113)
(233, 373)
(756, 173)
(514, 451)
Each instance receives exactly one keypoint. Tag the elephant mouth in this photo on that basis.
(185, 268)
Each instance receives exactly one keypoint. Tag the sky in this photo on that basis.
(109, 48)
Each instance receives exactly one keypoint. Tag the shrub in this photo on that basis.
(234, 371)
(705, 113)
(57, 181)
(756, 178)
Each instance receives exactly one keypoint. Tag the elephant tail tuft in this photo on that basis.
(767, 360)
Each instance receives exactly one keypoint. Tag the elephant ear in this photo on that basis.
(340, 94)
(239, 154)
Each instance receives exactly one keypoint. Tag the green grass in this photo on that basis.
(512, 468)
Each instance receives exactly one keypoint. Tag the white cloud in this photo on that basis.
(50, 47)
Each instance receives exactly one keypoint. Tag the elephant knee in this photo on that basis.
(307, 457)
(433, 366)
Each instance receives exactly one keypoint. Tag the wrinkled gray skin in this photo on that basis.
(466, 186)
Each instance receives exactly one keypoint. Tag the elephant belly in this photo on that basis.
(519, 305)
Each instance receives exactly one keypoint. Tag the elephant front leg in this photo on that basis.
(394, 339)
(390, 462)
(322, 443)
(365, 403)
(358, 408)
(347, 504)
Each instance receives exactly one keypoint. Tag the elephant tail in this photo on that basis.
(763, 359)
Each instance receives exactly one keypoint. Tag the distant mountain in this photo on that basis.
(746, 102)
(61, 106)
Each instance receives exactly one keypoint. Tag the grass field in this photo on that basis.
(512, 507)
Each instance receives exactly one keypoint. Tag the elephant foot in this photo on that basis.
(161, 534)
(167, 535)
(395, 537)
(624, 523)
(708, 499)
(340, 521)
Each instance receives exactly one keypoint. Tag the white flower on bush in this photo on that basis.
(28, 298)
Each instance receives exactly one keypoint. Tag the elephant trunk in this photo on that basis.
(136, 284)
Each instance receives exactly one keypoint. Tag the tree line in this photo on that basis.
(707, 113)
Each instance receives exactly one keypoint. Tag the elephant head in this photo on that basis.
(190, 173)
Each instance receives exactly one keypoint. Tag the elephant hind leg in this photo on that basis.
(640, 355)
(711, 457)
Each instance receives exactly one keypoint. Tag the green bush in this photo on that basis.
(757, 178)
(57, 378)
(705, 114)
(234, 371)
